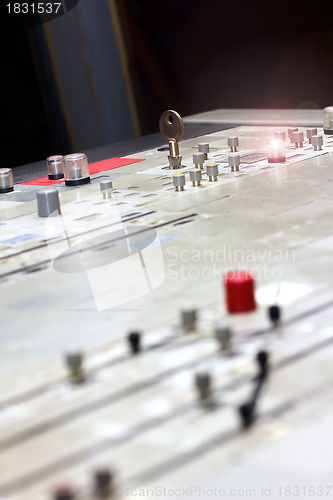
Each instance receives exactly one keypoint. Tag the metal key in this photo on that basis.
(172, 129)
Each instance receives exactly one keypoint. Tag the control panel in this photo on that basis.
(167, 319)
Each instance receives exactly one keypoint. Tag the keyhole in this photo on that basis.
(169, 120)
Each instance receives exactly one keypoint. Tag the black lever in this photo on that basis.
(247, 410)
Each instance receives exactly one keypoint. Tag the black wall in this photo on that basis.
(197, 55)
(191, 56)
(26, 130)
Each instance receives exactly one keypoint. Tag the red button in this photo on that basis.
(239, 292)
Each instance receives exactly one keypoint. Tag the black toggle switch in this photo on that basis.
(247, 410)
(134, 339)
(274, 314)
(262, 358)
(103, 482)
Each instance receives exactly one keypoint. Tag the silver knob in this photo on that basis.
(76, 169)
(55, 167)
(203, 384)
(106, 189)
(48, 202)
(179, 181)
(223, 335)
(310, 132)
(291, 132)
(317, 142)
(298, 139)
(233, 144)
(74, 361)
(204, 148)
(280, 135)
(198, 159)
(234, 162)
(6, 180)
(189, 319)
(195, 177)
(212, 172)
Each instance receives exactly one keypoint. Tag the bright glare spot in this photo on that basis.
(282, 293)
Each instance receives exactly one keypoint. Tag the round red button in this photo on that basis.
(239, 292)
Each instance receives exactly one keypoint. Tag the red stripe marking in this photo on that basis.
(94, 168)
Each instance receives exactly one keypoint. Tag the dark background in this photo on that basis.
(191, 56)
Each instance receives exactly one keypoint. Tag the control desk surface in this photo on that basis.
(141, 260)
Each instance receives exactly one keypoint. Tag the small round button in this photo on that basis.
(204, 148)
(198, 159)
(212, 172)
(291, 132)
(310, 132)
(179, 181)
(298, 139)
(195, 177)
(234, 162)
(106, 189)
(280, 135)
(317, 142)
(233, 144)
